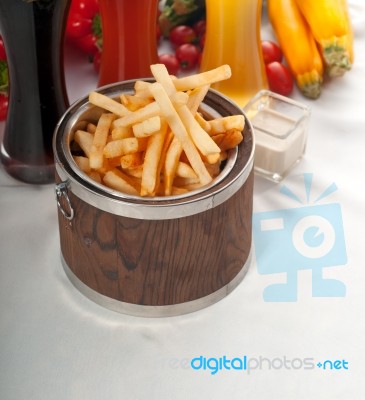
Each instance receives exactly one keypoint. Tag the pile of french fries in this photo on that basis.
(155, 142)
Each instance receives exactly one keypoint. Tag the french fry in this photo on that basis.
(119, 181)
(122, 132)
(95, 176)
(108, 104)
(84, 140)
(196, 96)
(134, 102)
(202, 122)
(228, 140)
(83, 163)
(121, 147)
(184, 170)
(204, 78)
(200, 137)
(171, 162)
(99, 140)
(211, 158)
(151, 161)
(224, 124)
(91, 128)
(168, 139)
(179, 131)
(147, 127)
(148, 111)
(130, 161)
(183, 182)
(135, 172)
(141, 89)
(160, 73)
(178, 190)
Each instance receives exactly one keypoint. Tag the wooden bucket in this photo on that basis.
(159, 256)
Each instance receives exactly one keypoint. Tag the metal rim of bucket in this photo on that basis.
(228, 182)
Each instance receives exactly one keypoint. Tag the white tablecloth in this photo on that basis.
(57, 344)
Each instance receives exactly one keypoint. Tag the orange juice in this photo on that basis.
(233, 38)
(129, 39)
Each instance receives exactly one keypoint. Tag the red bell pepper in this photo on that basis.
(84, 26)
(4, 82)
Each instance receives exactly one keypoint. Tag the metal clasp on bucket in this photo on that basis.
(61, 191)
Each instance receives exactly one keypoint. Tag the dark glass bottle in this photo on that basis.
(33, 32)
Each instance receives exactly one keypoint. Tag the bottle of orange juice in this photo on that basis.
(233, 37)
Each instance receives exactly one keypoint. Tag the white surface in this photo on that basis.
(56, 344)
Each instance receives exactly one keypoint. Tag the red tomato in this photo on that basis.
(2, 50)
(4, 102)
(200, 27)
(86, 8)
(279, 78)
(78, 26)
(88, 44)
(188, 55)
(171, 62)
(182, 34)
(271, 52)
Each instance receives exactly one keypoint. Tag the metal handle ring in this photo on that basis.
(61, 190)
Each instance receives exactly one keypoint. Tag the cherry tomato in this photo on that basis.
(200, 27)
(271, 52)
(78, 26)
(182, 34)
(88, 44)
(86, 8)
(188, 55)
(279, 78)
(2, 50)
(171, 62)
(4, 102)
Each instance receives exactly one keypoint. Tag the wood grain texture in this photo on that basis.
(161, 262)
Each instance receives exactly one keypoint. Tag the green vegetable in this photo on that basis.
(3, 76)
(179, 12)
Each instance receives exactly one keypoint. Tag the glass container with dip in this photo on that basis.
(281, 129)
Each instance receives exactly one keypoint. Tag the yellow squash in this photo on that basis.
(331, 28)
(298, 45)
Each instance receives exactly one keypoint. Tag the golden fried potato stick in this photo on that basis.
(108, 104)
(117, 180)
(84, 140)
(151, 162)
(224, 124)
(200, 138)
(121, 147)
(184, 170)
(147, 127)
(204, 78)
(171, 162)
(100, 139)
(179, 130)
(148, 111)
